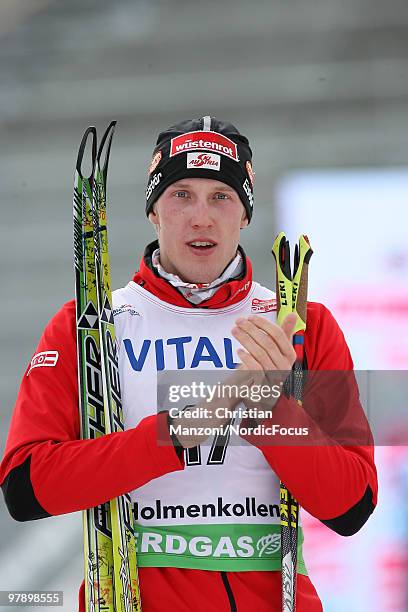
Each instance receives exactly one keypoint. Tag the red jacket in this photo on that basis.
(45, 466)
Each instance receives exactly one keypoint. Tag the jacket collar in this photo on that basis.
(229, 293)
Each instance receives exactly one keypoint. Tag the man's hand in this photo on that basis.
(267, 349)
(237, 379)
(267, 346)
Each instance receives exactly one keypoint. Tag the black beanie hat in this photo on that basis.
(202, 148)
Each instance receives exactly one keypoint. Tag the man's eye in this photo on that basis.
(223, 195)
(180, 194)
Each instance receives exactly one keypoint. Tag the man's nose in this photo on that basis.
(201, 213)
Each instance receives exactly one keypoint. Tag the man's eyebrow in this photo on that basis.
(179, 184)
(225, 188)
(182, 185)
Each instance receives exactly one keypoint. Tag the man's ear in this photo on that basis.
(244, 220)
(153, 216)
(154, 219)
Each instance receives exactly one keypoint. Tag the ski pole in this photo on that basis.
(291, 297)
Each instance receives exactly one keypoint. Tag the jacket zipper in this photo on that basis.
(229, 591)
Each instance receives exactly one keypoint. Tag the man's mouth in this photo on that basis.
(202, 245)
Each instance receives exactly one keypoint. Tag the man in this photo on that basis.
(207, 525)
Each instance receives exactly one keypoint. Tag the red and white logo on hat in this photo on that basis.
(46, 358)
(155, 161)
(208, 141)
(210, 161)
(263, 305)
(251, 173)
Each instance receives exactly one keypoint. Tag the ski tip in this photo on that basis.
(105, 146)
(107, 137)
(90, 131)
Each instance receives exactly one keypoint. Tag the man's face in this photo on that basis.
(198, 210)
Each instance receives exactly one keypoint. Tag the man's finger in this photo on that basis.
(288, 325)
(280, 336)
